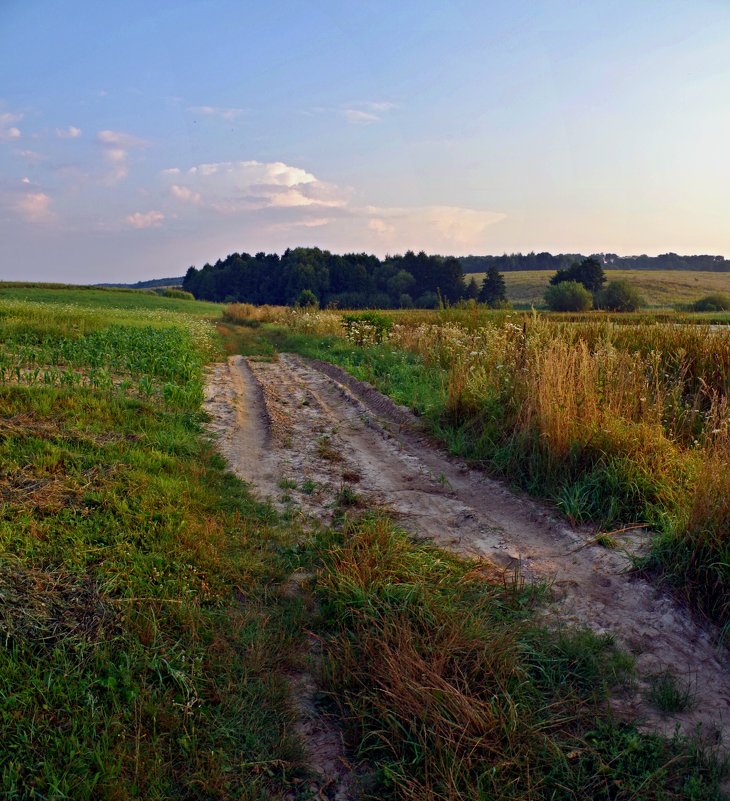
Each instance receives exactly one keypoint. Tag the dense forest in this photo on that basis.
(351, 280)
(546, 261)
(359, 280)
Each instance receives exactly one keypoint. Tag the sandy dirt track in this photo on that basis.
(294, 421)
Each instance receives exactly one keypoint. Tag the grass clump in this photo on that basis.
(449, 691)
(669, 693)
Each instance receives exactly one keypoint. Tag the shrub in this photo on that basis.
(307, 299)
(568, 296)
(718, 301)
(620, 296)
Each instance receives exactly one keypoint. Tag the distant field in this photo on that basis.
(103, 298)
(660, 288)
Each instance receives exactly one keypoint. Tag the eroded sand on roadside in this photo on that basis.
(310, 423)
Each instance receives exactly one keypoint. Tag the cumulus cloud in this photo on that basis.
(68, 133)
(8, 131)
(186, 194)
(233, 187)
(216, 111)
(116, 146)
(275, 197)
(149, 219)
(35, 207)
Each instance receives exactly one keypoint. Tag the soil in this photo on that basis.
(300, 431)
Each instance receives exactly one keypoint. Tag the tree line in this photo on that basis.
(611, 261)
(351, 280)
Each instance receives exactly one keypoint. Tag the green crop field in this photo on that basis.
(660, 288)
(148, 628)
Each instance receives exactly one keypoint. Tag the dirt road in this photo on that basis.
(302, 432)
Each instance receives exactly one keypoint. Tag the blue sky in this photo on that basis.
(137, 139)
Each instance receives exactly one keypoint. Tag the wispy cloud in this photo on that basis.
(8, 131)
(68, 133)
(148, 219)
(32, 156)
(216, 111)
(358, 117)
(116, 146)
(366, 113)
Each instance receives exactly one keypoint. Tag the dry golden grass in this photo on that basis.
(622, 421)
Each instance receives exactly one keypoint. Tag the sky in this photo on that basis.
(137, 138)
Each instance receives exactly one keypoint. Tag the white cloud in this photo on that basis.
(235, 187)
(35, 207)
(8, 131)
(215, 111)
(186, 194)
(116, 146)
(149, 219)
(120, 139)
(281, 200)
(25, 180)
(68, 133)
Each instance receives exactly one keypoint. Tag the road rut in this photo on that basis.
(303, 430)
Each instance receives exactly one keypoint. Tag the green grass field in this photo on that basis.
(660, 288)
(148, 630)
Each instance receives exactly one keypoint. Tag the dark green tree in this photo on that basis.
(493, 291)
(472, 290)
(588, 272)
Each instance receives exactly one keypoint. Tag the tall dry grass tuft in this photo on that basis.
(440, 689)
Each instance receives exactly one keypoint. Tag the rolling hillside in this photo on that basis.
(660, 288)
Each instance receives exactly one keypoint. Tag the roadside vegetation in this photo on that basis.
(148, 625)
(619, 423)
(449, 690)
